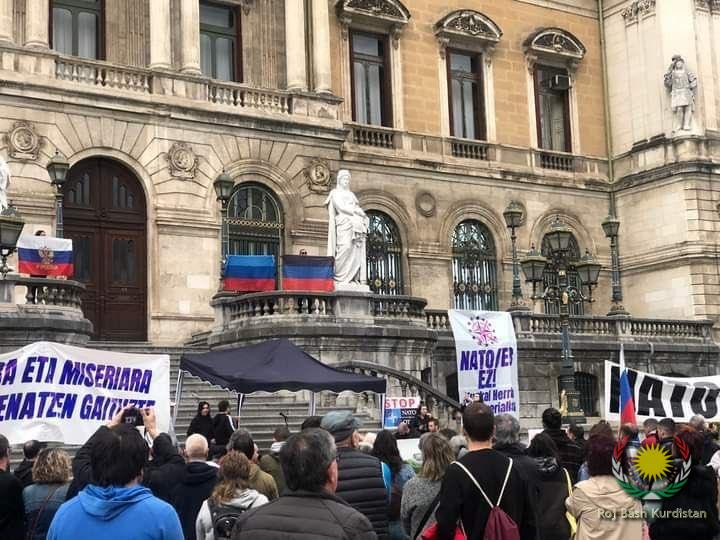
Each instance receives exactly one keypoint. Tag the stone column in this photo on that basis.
(160, 53)
(6, 21)
(190, 36)
(321, 46)
(295, 45)
(37, 22)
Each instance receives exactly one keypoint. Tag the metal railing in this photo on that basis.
(102, 74)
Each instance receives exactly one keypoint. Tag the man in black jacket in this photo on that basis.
(571, 454)
(309, 508)
(196, 486)
(12, 510)
(460, 498)
(166, 470)
(361, 480)
(24, 471)
(223, 425)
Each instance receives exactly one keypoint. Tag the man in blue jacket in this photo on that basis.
(114, 504)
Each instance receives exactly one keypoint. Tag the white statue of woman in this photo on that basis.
(347, 231)
(4, 184)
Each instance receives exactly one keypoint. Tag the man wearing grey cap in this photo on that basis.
(361, 482)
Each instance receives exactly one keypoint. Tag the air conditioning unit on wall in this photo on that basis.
(559, 82)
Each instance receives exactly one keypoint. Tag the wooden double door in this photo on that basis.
(105, 215)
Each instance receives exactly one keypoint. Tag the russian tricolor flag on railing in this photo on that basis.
(249, 273)
(305, 273)
(627, 403)
(45, 256)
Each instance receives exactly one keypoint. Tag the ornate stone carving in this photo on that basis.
(318, 176)
(710, 5)
(389, 16)
(23, 141)
(553, 44)
(377, 7)
(425, 204)
(636, 9)
(246, 5)
(182, 161)
(468, 28)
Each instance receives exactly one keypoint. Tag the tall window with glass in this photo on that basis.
(77, 28)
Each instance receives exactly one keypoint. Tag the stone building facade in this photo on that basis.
(445, 111)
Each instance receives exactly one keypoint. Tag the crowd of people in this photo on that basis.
(328, 481)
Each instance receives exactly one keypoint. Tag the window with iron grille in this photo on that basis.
(77, 27)
(550, 277)
(586, 385)
(384, 255)
(474, 267)
(255, 222)
(219, 38)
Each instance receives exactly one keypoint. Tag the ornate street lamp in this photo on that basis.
(223, 185)
(513, 215)
(534, 265)
(57, 169)
(11, 225)
(611, 226)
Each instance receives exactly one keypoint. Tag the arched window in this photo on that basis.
(384, 255)
(255, 222)
(586, 385)
(550, 277)
(474, 267)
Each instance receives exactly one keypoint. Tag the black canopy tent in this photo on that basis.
(268, 367)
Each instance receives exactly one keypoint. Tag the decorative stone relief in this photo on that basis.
(23, 141)
(468, 28)
(182, 161)
(425, 204)
(636, 9)
(318, 176)
(377, 7)
(389, 16)
(246, 5)
(554, 44)
(709, 5)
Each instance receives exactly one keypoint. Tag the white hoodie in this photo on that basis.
(245, 499)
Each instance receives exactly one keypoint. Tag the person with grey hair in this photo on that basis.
(309, 508)
(710, 447)
(459, 446)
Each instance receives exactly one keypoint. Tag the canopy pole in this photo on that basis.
(178, 395)
(240, 400)
(311, 405)
(382, 409)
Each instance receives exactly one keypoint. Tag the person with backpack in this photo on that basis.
(386, 450)
(482, 492)
(270, 463)
(229, 500)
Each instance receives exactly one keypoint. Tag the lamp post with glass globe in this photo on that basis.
(57, 169)
(223, 185)
(534, 265)
(513, 215)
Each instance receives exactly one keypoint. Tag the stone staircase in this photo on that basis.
(260, 412)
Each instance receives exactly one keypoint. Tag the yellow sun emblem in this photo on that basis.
(653, 462)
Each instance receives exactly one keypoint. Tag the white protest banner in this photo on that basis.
(55, 392)
(399, 409)
(486, 358)
(679, 398)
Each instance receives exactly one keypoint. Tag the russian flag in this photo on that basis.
(45, 256)
(305, 273)
(249, 273)
(627, 403)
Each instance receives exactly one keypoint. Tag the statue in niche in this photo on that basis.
(347, 232)
(4, 184)
(682, 84)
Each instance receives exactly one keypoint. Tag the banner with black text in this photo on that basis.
(60, 393)
(679, 398)
(486, 359)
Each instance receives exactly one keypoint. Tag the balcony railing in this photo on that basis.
(375, 136)
(236, 95)
(104, 75)
(556, 161)
(52, 292)
(469, 149)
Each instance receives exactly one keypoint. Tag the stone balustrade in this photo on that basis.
(237, 95)
(103, 74)
(555, 161)
(52, 292)
(374, 136)
(467, 149)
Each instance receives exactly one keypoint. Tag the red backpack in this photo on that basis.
(499, 525)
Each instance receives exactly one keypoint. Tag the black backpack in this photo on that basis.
(224, 518)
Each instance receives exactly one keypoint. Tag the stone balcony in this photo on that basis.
(36, 309)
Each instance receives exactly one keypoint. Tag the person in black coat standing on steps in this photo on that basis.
(223, 424)
(202, 423)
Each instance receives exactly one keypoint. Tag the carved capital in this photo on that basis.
(23, 141)
(637, 9)
(443, 43)
(182, 161)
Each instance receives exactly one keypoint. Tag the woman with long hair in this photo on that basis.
(386, 450)
(51, 476)
(202, 423)
(420, 492)
(231, 497)
(554, 486)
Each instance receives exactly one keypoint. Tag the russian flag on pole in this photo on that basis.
(45, 256)
(249, 273)
(305, 273)
(627, 403)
